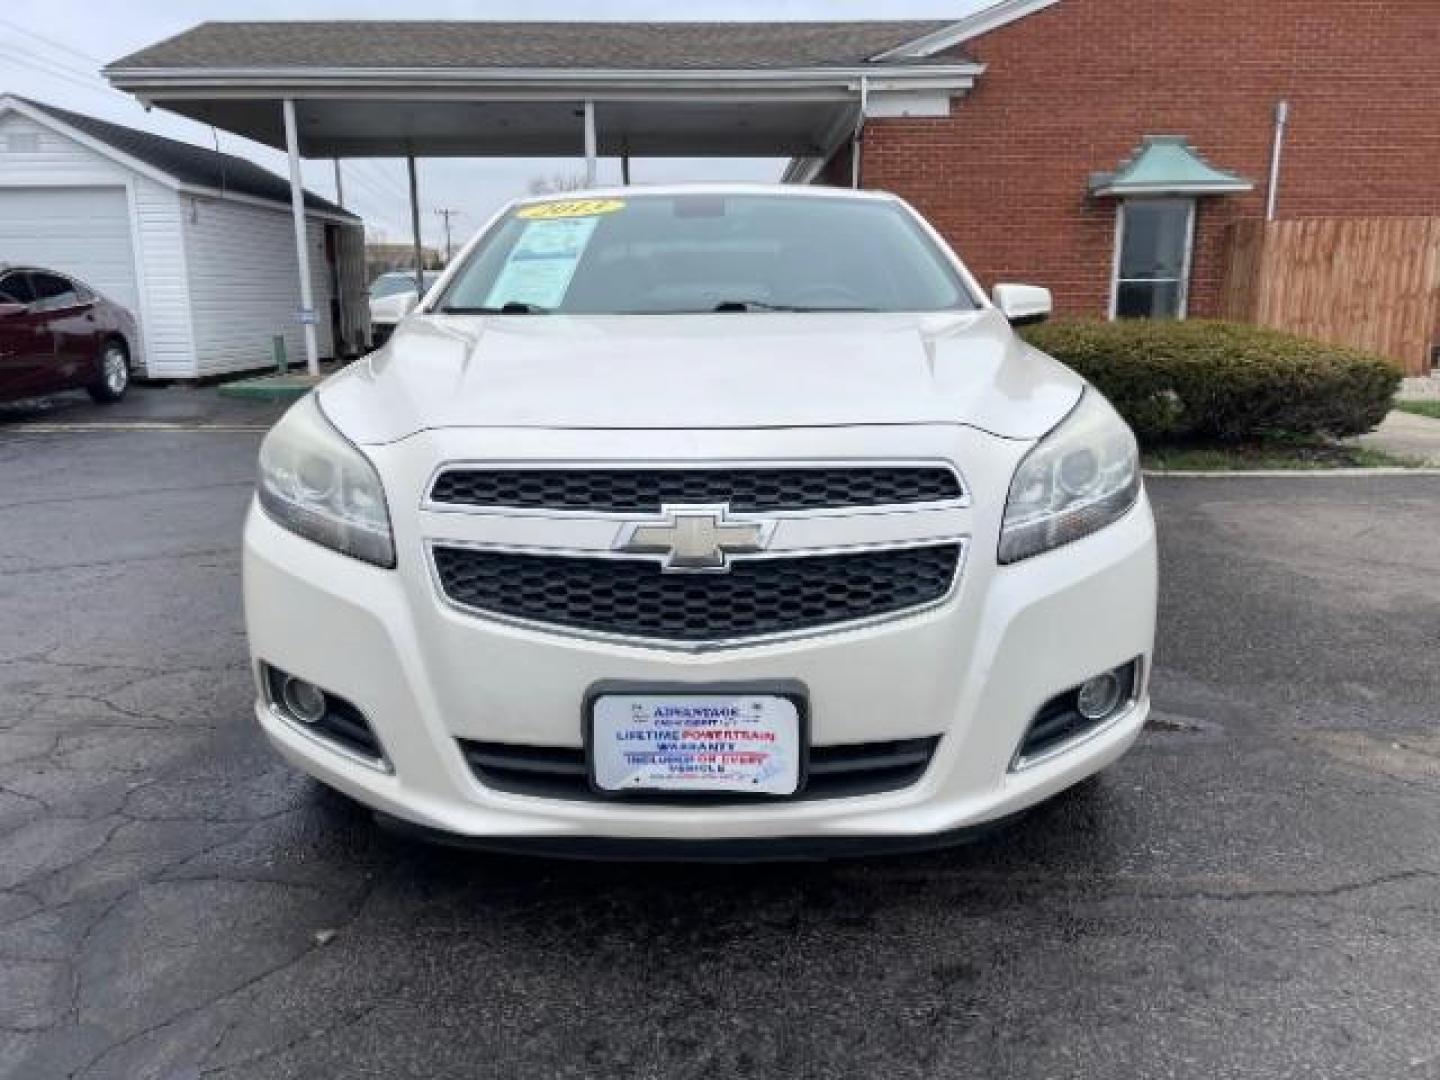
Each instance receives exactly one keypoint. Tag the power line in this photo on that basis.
(61, 67)
(52, 42)
(370, 205)
(385, 188)
(371, 194)
(382, 188)
(384, 180)
(365, 180)
(84, 78)
(58, 65)
(56, 70)
(46, 67)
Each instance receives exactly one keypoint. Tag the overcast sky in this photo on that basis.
(52, 50)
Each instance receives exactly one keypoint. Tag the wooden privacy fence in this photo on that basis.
(1373, 283)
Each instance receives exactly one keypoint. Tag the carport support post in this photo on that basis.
(590, 144)
(302, 246)
(415, 226)
(857, 141)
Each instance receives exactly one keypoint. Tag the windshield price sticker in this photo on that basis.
(696, 744)
(570, 208)
(540, 265)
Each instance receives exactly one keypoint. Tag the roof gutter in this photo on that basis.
(200, 191)
(162, 82)
(993, 17)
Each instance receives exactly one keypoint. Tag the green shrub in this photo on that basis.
(1198, 381)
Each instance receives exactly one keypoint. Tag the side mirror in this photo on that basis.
(10, 307)
(1024, 305)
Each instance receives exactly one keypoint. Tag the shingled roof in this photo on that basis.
(675, 46)
(197, 166)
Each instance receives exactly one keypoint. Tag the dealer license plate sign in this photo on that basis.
(696, 743)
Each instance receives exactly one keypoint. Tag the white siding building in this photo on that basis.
(199, 245)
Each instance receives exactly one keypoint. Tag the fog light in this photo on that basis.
(306, 701)
(1100, 696)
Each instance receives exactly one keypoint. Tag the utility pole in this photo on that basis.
(446, 214)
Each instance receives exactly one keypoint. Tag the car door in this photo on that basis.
(21, 350)
(69, 322)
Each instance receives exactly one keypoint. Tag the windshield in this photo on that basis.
(669, 254)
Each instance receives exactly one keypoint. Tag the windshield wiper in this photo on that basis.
(764, 305)
(510, 307)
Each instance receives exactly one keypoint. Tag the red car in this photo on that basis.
(58, 334)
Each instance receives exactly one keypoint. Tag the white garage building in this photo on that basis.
(199, 245)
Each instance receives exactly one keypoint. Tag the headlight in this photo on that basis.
(1081, 477)
(315, 483)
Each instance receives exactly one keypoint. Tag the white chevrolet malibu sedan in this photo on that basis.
(718, 522)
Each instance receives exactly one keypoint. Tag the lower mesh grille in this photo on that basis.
(835, 772)
(756, 598)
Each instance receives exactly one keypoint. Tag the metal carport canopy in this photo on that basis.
(487, 89)
(479, 89)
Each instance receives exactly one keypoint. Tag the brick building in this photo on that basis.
(1072, 88)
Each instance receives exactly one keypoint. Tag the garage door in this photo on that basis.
(79, 231)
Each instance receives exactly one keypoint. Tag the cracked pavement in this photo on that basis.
(1253, 892)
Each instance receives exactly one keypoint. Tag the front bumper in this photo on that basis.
(973, 670)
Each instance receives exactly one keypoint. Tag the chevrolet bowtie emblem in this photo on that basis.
(695, 539)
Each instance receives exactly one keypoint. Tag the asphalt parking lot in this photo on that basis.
(1253, 892)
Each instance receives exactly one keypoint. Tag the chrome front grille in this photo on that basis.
(646, 490)
(636, 598)
(696, 556)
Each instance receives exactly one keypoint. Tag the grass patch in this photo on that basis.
(1420, 408)
(1297, 454)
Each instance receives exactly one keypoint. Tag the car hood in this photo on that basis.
(728, 370)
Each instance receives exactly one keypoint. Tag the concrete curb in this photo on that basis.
(1283, 474)
(270, 387)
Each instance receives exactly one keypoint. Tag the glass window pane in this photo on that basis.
(391, 285)
(1148, 300)
(16, 288)
(52, 292)
(48, 286)
(655, 254)
(1155, 233)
